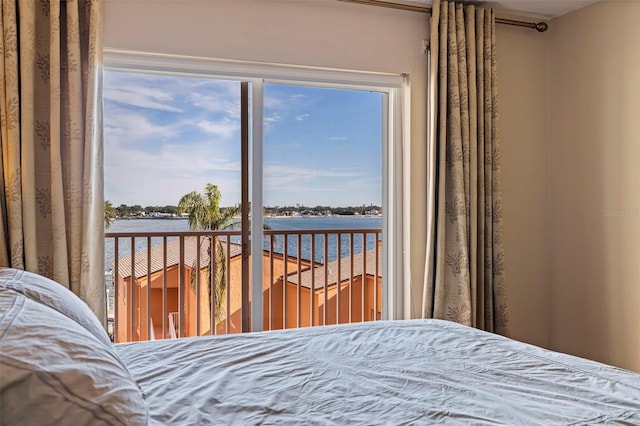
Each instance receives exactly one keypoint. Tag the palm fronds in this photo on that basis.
(205, 214)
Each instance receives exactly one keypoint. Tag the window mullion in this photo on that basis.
(257, 114)
(244, 155)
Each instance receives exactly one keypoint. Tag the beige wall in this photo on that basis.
(570, 108)
(594, 177)
(523, 88)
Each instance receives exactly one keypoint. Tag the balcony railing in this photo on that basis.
(178, 284)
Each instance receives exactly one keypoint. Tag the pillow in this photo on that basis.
(55, 296)
(55, 372)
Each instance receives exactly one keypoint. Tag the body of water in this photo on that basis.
(274, 223)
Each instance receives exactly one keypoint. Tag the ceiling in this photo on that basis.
(545, 9)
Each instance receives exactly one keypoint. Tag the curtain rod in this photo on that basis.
(539, 26)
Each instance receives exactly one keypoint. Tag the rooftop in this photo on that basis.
(318, 273)
(173, 256)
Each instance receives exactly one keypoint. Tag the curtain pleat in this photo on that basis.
(51, 192)
(432, 159)
(464, 269)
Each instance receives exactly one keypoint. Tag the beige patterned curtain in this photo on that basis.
(464, 279)
(50, 106)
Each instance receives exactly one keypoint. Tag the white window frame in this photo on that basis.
(395, 148)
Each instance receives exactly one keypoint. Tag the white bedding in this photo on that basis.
(398, 372)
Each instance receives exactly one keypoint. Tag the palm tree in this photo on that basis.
(205, 215)
(109, 214)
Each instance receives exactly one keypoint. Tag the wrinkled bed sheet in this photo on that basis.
(384, 372)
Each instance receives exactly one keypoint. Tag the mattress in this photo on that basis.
(384, 372)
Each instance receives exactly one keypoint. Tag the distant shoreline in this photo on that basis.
(360, 216)
(266, 217)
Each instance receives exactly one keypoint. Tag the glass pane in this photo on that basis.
(167, 139)
(323, 179)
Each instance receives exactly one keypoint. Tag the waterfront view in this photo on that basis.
(299, 223)
(174, 144)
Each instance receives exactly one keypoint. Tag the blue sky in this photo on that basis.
(166, 136)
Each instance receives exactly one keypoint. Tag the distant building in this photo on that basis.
(358, 294)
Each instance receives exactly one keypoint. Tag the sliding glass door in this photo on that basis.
(323, 203)
(176, 173)
(188, 157)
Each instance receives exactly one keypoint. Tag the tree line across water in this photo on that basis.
(126, 211)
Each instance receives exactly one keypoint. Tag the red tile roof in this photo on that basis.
(345, 270)
(173, 256)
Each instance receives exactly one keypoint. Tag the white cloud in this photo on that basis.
(216, 100)
(166, 136)
(164, 175)
(287, 177)
(141, 90)
(122, 125)
(152, 157)
(270, 121)
(332, 193)
(225, 128)
(280, 106)
(173, 93)
(142, 98)
(285, 185)
(273, 101)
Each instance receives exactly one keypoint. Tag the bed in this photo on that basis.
(58, 367)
